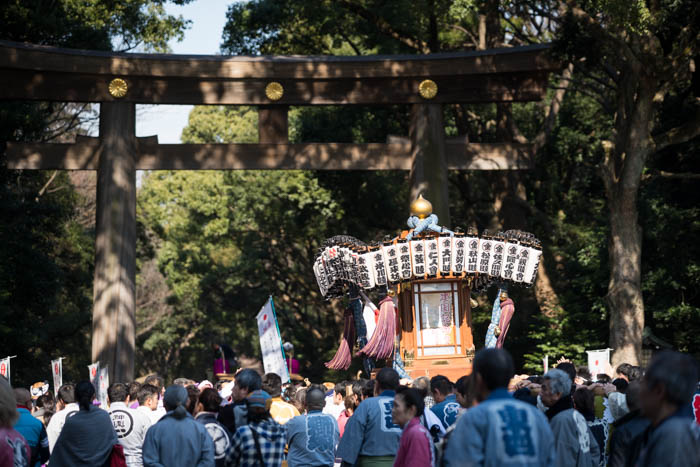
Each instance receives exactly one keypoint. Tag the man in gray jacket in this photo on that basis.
(673, 439)
(177, 439)
(575, 444)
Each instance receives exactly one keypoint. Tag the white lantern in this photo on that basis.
(459, 244)
(496, 261)
(472, 254)
(365, 266)
(532, 265)
(523, 257)
(418, 258)
(485, 251)
(509, 265)
(391, 262)
(321, 277)
(432, 256)
(379, 268)
(329, 257)
(404, 250)
(445, 252)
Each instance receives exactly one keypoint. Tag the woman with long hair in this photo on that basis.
(88, 436)
(14, 449)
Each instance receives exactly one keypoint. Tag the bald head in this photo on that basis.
(315, 398)
(23, 397)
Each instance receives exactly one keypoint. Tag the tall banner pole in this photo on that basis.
(274, 360)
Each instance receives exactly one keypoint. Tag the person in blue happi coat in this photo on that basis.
(312, 437)
(446, 408)
(500, 431)
(371, 439)
(31, 428)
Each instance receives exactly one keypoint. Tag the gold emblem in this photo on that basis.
(421, 207)
(118, 88)
(427, 89)
(274, 91)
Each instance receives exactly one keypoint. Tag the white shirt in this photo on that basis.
(333, 409)
(157, 414)
(429, 418)
(131, 426)
(368, 316)
(53, 430)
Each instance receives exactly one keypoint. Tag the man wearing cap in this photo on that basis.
(312, 438)
(371, 437)
(177, 439)
(262, 440)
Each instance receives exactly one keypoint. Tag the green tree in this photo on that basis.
(46, 263)
(562, 201)
(637, 65)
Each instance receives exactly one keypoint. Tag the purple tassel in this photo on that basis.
(343, 357)
(381, 345)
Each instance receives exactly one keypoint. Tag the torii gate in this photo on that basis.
(118, 81)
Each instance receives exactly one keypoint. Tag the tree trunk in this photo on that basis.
(622, 172)
(624, 297)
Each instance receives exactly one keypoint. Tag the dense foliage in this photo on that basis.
(47, 253)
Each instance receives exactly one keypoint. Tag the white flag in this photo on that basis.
(598, 361)
(94, 375)
(102, 385)
(5, 368)
(274, 360)
(57, 372)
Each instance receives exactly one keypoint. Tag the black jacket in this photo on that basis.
(626, 441)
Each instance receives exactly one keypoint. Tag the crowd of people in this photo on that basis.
(566, 417)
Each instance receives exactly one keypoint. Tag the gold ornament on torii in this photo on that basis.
(428, 89)
(118, 88)
(274, 91)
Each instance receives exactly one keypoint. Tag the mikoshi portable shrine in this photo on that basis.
(424, 277)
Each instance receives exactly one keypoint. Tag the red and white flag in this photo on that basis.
(57, 372)
(94, 374)
(5, 367)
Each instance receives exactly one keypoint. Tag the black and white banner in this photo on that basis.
(494, 257)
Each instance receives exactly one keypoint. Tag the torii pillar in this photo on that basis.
(114, 308)
(428, 174)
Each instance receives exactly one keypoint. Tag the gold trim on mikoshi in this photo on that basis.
(427, 89)
(421, 207)
(274, 91)
(118, 88)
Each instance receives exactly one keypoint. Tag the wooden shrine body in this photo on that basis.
(432, 344)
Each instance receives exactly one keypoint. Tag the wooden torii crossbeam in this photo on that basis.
(118, 81)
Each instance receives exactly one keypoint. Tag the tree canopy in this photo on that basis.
(46, 224)
(611, 196)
